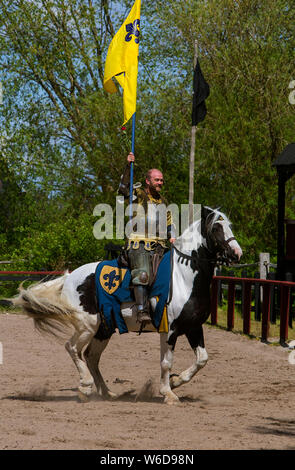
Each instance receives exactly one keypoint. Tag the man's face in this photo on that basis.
(156, 181)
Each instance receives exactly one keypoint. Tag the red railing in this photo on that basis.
(19, 276)
(33, 272)
(27, 275)
(284, 295)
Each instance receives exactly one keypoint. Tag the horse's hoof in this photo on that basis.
(175, 381)
(82, 397)
(111, 396)
(85, 392)
(108, 395)
(171, 399)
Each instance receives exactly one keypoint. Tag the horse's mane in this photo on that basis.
(191, 236)
(218, 215)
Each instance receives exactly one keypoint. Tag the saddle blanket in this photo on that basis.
(113, 287)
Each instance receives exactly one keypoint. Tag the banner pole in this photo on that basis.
(132, 165)
(133, 133)
(192, 157)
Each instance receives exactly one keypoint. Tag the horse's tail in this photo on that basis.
(44, 303)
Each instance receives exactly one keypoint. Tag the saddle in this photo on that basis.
(113, 287)
(158, 254)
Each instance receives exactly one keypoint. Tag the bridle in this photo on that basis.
(183, 257)
(225, 244)
(193, 259)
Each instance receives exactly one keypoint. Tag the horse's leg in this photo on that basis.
(196, 341)
(74, 347)
(92, 356)
(166, 364)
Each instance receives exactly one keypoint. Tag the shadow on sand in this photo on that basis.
(146, 395)
(277, 427)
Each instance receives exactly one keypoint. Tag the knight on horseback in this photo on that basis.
(144, 249)
(73, 300)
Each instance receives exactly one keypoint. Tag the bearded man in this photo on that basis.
(146, 246)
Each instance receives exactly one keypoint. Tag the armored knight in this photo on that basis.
(148, 242)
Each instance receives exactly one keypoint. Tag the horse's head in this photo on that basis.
(220, 241)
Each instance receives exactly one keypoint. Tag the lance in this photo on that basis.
(132, 166)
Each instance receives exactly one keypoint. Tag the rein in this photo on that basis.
(185, 257)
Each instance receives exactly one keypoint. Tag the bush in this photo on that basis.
(66, 244)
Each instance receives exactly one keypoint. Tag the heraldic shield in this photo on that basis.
(111, 277)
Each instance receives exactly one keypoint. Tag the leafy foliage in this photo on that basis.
(62, 148)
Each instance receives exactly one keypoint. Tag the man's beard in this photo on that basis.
(155, 190)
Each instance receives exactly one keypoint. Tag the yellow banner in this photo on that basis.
(122, 61)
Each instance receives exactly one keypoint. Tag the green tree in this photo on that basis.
(246, 49)
(60, 132)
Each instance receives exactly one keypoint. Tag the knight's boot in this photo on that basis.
(141, 299)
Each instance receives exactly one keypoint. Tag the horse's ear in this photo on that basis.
(205, 211)
(202, 212)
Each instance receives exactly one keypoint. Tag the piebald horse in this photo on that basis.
(70, 300)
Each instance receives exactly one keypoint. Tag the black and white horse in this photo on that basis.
(70, 301)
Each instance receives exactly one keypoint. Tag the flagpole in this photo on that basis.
(122, 63)
(132, 165)
(192, 156)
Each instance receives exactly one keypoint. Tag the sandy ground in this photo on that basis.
(243, 399)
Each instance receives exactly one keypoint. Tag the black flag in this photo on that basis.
(201, 92)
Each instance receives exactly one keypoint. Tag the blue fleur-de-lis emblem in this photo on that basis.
(133, 30)
(110, 278)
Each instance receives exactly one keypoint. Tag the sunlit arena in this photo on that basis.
(147, 229)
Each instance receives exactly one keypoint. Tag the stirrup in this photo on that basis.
(143, 317)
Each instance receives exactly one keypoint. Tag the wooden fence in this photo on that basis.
(268, 286)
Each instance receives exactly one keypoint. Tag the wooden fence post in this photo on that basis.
(257, 302)
(243, 274)
(264, 261)
(246, 307)
(272, 277)
(284, 314)
(231, 305)
(289, 277)
(265, 313)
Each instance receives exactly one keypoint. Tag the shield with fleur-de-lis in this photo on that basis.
(110, 278)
